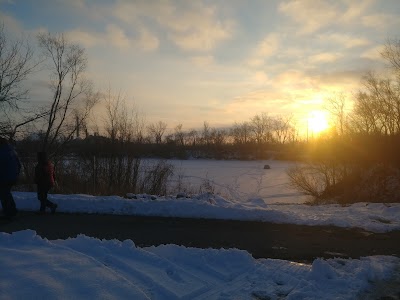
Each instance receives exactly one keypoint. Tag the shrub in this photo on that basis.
(337, 184)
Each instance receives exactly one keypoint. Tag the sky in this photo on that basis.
(186, 62)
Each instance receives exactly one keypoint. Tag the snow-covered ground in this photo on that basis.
(239, 180)
(375, 217)
(89, 268)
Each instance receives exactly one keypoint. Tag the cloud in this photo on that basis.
(203, 61)
(344, 40)
(11, 24)
(260, 77)
(195, 27)
(380, 21)
(324, 58)
(265, 49)
(85, 38)
(293, 92)
(268, 46)
(310, 15)
(190, 25)
(147, 41)
(199, 39)
(355, 9)
(115, 36)
(373, 53)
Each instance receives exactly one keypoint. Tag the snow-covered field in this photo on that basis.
(89, 268)
(240, 180)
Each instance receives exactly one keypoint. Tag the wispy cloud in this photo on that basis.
(191, 26)
(380, 21)
(116, 36)
(373, 53)
(310, 15)
(343, 40)
(203, 60)
(267, 48)
(324, 58)
(354, 10)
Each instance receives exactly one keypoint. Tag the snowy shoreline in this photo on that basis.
(373, 217)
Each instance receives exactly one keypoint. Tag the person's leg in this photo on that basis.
(7, 201)
(42, 197)
(44, 202)
(3, 197)
(52, 206)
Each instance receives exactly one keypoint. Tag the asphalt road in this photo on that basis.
(261, 239)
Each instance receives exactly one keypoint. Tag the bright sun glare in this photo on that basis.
(317, 121)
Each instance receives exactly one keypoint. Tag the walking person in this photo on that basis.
(45, 180)
(10, 168)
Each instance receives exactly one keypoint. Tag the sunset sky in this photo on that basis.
(218, 61)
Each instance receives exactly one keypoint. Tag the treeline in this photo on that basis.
(358, 160)
(117, 161)
(254, 139)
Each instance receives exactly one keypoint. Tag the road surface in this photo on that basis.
(263, 240)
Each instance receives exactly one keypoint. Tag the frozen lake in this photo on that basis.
(239, 180)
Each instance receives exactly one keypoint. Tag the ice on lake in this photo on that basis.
(239, 180)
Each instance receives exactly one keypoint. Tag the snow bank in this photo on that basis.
(373, 217)
(89, 268)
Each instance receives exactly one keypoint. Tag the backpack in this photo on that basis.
(44, 174)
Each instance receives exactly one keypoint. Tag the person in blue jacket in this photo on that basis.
(10, 168)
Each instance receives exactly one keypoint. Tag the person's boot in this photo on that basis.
(53, 208)
(42, 210)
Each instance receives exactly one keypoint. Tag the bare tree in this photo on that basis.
(72, 92)
(391, 53)
(241, 133)
(336, 106)
(218, 136)
(16, 64)
(157, 130)
(191, 137)
(206, 133)
(261, 126)
(282, 128)
(377, 106)
(122, 167)
(179, 135)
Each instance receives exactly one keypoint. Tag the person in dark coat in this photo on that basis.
(45, 180)
(10, 168)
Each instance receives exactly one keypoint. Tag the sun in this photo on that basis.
(317, 121)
